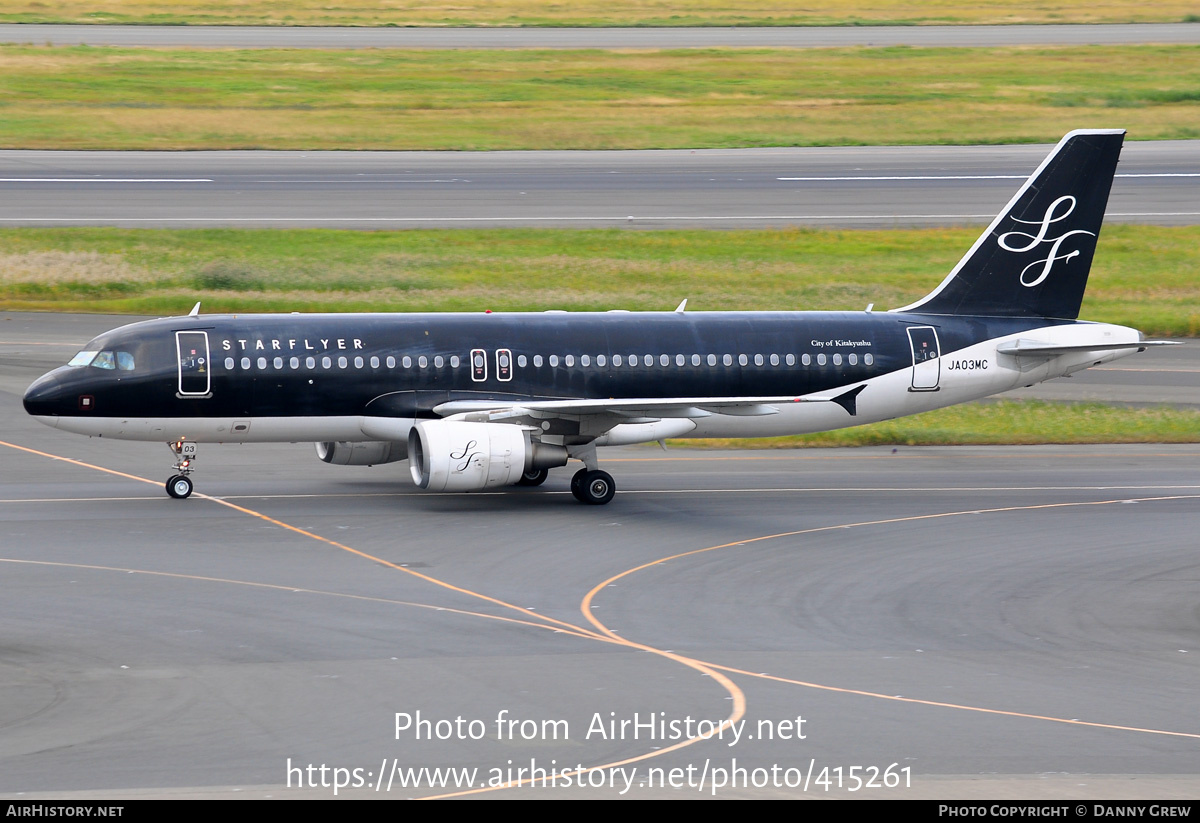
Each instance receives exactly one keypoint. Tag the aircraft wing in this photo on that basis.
(637, 408)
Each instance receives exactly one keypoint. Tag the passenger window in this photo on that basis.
(868, 359)
(617, 360)
(374, 362)
(310, 362)
(554, 360)
(229, 364)
(391, 362)
(342, 362)
(727, 360)
(712, 360)
(407, 362)
(245, 363)
(791, 359)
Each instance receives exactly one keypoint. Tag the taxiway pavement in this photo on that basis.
(853, 187)
(1003, 622)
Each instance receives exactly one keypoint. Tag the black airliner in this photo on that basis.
(475, 401)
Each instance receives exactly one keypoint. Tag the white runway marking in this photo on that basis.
(105, 180)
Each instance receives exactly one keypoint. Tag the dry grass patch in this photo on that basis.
(53, 267)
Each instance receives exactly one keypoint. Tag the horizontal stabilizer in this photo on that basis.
(1032, 348)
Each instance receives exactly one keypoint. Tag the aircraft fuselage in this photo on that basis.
(256, 378)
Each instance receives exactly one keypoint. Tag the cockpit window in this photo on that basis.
(122, 360)
(104, 360)
(84, 358)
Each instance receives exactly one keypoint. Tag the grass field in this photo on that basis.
(592, 12)
(108, 98)
(1143, 276)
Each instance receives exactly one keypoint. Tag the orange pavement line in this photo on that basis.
(586, 604)
(738, 697)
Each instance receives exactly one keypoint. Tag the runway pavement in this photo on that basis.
(856, 187)
(249, 37)
(999, 622)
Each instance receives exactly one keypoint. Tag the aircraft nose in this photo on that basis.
(43, 399)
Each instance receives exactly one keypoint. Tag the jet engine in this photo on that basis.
(343, 453)
(456, 456)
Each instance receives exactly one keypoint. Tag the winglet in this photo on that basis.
(195, 312)
(679, 309)
(849, 400)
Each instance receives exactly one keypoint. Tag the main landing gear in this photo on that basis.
(180, 486)
(593, 486)
(534, 477)
(590, 485)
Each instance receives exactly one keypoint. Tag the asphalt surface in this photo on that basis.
(1003, 622)
(248, 37)
(1157, 182)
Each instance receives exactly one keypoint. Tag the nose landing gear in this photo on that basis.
(180, 486)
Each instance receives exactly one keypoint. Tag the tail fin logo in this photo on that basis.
(1054, 214)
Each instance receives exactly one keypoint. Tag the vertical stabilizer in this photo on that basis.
(1034, 258)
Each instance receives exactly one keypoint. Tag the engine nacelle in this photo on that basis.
(343, 453)
(455, 456)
